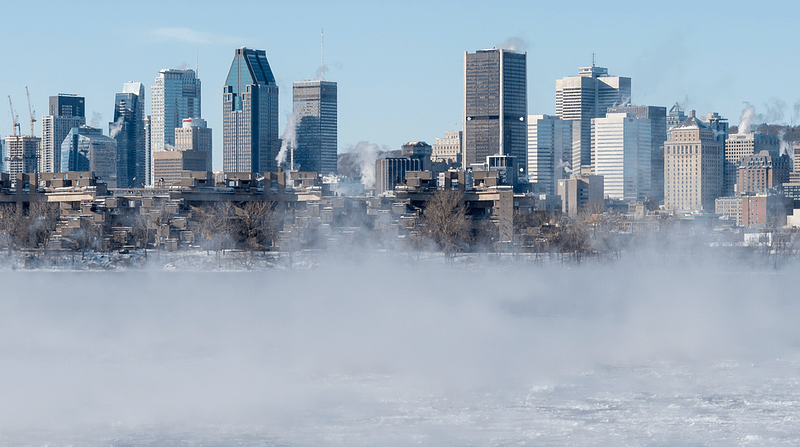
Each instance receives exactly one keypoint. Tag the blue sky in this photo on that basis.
(399, 65)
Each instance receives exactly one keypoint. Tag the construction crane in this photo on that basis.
(30, 110)
(14, 118)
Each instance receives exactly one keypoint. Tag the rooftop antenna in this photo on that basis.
(197, 58)
(322, 48)
(592, 59)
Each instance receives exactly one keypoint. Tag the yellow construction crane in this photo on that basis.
(14, 118)
(30, 110)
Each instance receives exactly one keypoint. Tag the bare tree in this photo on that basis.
(11, 225)
(445, 221)
(42, 222)
(215, 224)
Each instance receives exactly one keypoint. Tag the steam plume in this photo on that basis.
(115, 128)
(289, 140)
(514, 43)
(366, 153)
(96, 119)
(321, 72)
(746, 120)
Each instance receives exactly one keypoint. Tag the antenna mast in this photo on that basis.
(322, 48)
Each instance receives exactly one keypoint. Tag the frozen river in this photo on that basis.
(374, 353)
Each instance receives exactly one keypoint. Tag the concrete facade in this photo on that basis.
(586, 96)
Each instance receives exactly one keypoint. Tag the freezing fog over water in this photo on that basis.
(373, 352)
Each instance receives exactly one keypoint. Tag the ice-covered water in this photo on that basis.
(375, 353)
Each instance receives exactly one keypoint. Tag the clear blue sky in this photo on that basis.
(399, 65)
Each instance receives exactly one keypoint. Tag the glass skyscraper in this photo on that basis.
(129, 132)
(495, 105)
(87, 149)
(250, 114)
(174, 96)
(316, 127)
(65, 113)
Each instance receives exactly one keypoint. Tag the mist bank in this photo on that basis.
(301, 354)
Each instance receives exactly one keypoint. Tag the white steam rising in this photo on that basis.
(115, 127)
(746, 119)
(288, 141)
(367, 155)
(514, 44)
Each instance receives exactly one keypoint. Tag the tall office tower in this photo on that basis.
(549, 152)
(314, 109)
(22, 154)
(675, 116)
(692, 167)
(129, 132)
(738, 146)
(587, 96)
(658, 135)
(449, 148)
(87, 149)
(65, 113)
(495, 106)
(250, 114)
(174, 96)
(194, 135)
(623, 149)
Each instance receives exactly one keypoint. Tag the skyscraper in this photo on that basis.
(21, 154)
(692, 167)
(495, 105)
(586, 96)
(658, 135)
(175, 95)
(87, 149)
(549, 151)
(65, 113)
(622, 155)
(314, 109)
(250, 114)
(128, 129)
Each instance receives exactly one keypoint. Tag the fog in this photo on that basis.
(385, 351)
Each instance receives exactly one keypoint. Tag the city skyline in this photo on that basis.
(701, 61)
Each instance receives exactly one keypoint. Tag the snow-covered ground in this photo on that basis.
(395, 351)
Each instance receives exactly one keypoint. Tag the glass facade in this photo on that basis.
(128, 130)
(495, 105)
(174, 96)
(250, 114)
(314, 108)
(87, 149)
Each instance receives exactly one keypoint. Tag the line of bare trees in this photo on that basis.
(29, 227)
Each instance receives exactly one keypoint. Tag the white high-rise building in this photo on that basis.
(448, 149)
(623, 155)
(174, 96)
(66, 113)
(549, 151)
(587, 96)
